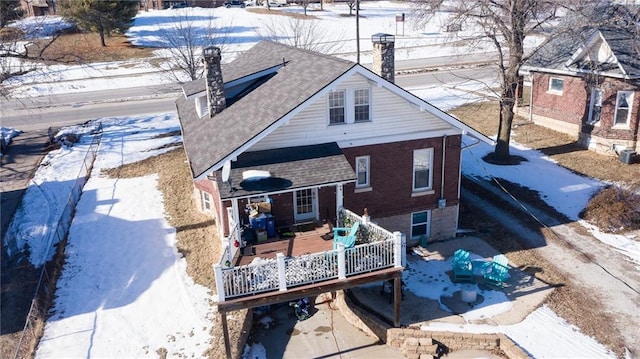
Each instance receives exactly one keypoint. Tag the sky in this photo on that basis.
(105, 297)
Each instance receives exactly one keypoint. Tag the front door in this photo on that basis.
(305, 204)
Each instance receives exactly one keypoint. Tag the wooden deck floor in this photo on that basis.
(308, 239)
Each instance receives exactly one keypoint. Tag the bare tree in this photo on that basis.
(504, 24)
(305, 5)
(302, 33)
(185, 40)
(352, 5)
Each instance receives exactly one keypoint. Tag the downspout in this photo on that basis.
(444, 150)
(531, 100)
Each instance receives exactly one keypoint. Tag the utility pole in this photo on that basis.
(358, 31)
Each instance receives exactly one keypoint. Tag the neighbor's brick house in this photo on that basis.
(589, 89)
(311, 133)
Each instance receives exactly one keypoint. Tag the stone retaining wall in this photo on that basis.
(419, 344)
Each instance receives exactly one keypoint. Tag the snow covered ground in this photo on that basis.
(109, 305)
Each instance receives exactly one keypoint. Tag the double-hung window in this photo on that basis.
(422, 165)
(336, 107)
(556, 85)
(624, 99)
(595, 109)
(206, 201)
(362, 172)
(420, 224)
(361, 105)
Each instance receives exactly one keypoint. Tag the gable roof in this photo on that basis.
(283, 79)
(207, 140)
(571, 53)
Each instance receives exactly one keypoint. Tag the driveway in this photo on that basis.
(606, 275)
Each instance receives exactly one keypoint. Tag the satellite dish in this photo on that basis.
(226, 171)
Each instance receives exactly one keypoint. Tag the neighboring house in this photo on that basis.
(330, 133)
(588, 86)
(38, 7)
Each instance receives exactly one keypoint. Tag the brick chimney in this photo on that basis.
(214, 83)
(383, 56)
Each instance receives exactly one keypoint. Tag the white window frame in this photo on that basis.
(367, 171)
(332, 107)
(553, 89)
(628, 96)
(427, 224)
(356, 105)
(206, 200)
(429, 155)
(596, 102)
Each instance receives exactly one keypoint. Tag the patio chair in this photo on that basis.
(461, 264)
(496, 272)
(345, 235)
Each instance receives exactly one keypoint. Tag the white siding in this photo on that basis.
(392, 116)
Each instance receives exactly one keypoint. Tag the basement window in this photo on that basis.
(556, 85)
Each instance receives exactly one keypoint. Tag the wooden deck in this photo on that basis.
(309, 238)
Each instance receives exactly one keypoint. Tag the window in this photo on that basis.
(362, 171)
(361, 105)
(420, 224)
(206, 201)
(623, 107)
(336, 107)
(422, 161)
(556, 85)
(596, 106)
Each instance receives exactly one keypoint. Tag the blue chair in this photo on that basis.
(346, 236)
(462, 268)
(496, 272)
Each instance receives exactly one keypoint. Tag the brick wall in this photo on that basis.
(570, 106)
(569, 112)
(391, 200)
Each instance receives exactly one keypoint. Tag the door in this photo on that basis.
(305, 204)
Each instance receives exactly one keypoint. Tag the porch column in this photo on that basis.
(339, 198)
(236, 215)
(397, 249)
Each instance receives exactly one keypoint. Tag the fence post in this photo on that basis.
(397, 249)
(282, 274)
(217, 271)
(342, 267)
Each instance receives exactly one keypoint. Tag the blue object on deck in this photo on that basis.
(462, 268)
(345, 235)
(496, 272)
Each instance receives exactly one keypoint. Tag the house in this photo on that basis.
(588, 86)
(283, 138)
(319, 133)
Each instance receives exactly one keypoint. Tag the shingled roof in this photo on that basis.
(300, 74)
(564, 54)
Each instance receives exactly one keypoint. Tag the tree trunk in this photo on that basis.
(101, 32)
(501, 152)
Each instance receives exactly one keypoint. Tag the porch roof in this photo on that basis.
(290, 168)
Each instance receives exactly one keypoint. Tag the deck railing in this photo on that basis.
(282, 273)
(367, 232)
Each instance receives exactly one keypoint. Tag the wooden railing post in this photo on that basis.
(397, 249)
(217, 272)
(282, 275)
(342, 267)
